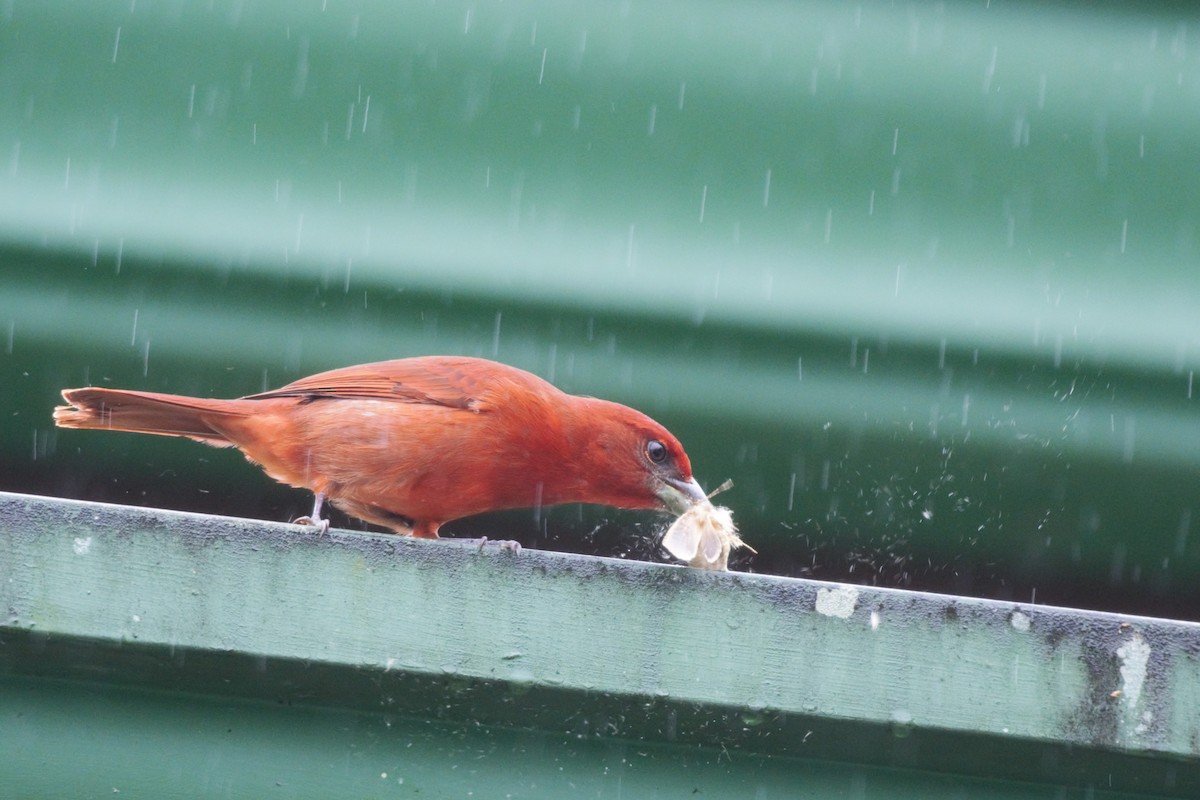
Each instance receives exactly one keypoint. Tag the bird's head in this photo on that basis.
(630, 461)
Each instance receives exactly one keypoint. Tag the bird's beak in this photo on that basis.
(678, 495)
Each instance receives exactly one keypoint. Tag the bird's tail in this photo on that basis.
(146, 412)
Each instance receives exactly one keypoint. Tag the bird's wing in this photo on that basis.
(434, 380)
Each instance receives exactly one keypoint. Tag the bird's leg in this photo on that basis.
(314, 519)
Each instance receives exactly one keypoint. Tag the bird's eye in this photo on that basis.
(656, 451)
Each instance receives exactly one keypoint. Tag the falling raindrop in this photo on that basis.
(1181, 535)
(1117, 567)
(300, 79)
(990, 71)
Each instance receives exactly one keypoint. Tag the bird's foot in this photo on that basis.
(322, 525)
(503, 544)
(315, 519)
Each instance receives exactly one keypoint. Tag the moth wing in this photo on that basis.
(712, 546)
(682, 539)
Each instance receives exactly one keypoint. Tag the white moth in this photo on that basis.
(704, 536)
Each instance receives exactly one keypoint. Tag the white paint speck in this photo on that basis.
(837, 602)
(1020, 621)
(874, 620)
(82, 545)
(1134, 656)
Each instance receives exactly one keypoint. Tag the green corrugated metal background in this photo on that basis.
(921, 279)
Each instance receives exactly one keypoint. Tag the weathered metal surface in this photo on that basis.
(597, 648)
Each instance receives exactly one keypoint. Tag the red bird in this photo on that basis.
(414, 443)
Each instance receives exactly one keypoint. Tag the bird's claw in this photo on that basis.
(322, 525)
(315, 519)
